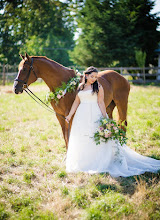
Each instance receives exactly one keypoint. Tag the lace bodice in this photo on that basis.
(87, 96)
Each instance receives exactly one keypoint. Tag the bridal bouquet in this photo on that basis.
(108, 129)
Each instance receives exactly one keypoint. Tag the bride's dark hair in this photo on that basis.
(94, 86)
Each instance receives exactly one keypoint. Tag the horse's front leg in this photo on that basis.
(64, 126)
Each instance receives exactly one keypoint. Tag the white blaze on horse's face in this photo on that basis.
(21, 66)
(92, 77)
(23, 70)
(19, 70)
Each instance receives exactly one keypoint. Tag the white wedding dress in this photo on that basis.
(84, 155)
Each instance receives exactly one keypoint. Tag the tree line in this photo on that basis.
(111, 32)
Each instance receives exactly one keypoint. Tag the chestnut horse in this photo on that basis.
(116, 87)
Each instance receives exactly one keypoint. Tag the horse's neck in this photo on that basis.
(53, 73)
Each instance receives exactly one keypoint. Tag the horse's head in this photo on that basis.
(26, 74)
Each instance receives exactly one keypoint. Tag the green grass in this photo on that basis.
(33, 180)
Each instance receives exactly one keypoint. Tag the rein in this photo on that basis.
(36, 98)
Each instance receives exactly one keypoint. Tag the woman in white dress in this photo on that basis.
(83, 154)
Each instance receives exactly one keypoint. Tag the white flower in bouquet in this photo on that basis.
(107, 133)
(101, 133)
(104, 121)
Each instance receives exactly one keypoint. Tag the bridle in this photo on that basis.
(34, 97)
(25, 81)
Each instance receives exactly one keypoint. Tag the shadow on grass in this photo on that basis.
(157, 157)
(128, 184)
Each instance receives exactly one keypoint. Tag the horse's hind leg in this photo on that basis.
(122, 105)
(110, 109)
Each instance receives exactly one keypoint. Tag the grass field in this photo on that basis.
(33, 181)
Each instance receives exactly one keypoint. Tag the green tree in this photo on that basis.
(52, 47)
(111, 31)
(47, 20)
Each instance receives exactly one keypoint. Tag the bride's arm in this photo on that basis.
(73, 108)
(101, 101)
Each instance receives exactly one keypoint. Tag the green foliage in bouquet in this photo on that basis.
(61, 91)
(109, 130)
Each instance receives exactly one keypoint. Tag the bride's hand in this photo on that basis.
(67, 118)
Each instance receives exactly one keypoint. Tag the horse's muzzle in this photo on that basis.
(17, 88)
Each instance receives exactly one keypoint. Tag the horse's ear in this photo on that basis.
(22, 56)
(28, 57)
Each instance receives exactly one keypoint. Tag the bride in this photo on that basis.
(83, 154)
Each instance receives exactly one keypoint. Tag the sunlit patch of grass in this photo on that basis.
(12, 152)
(2, 128)
(64, 191)
(37, 143)
(48, 215)
(14, 162)
(62, 174)
(112, 205)
(30, 163)
(48, 149)
(80, 198)
(54, 168)
(6, 190)
(60, 149)
(26, 119)
(43, 137)
(28, 176)
(3, 213)
(149, 123)
(2, 151)
(12, 180)
(93, 192)
(23, 206)
(24, 148)
(155, 135)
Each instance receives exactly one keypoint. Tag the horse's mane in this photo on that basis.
(52, 62)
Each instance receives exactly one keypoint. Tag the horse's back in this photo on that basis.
(114, 79)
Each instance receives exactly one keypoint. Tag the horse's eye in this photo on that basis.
(24, 69)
